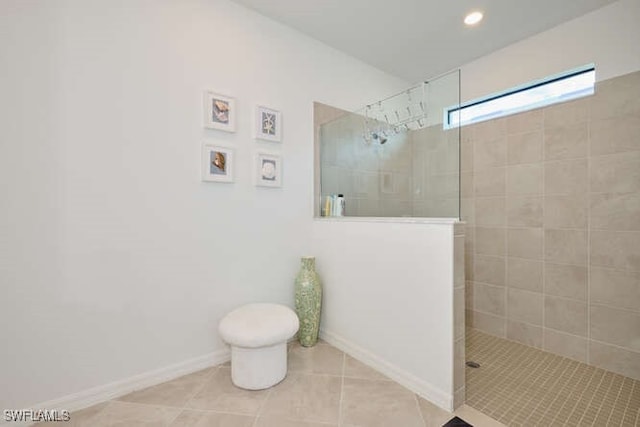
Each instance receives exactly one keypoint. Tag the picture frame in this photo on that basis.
(219, 111)
(267, 124)
(217, 163)
(268, 170)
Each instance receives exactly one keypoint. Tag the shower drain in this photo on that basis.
(473, 364)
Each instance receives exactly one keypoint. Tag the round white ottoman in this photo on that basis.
(258, 334)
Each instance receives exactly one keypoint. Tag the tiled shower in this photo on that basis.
(552, 199)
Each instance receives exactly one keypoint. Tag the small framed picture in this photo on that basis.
(268, 124)
(219, 112)
(217, 164)
(268, 170)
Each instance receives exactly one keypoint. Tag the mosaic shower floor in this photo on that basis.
(521, 386)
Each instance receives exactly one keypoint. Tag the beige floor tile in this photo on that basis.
(432, 415)
(319, 359)
(284, 422)
(305, 397)
(172, 393)
(356, 369)
(123, 414)
(219, 394)
(191, 418)
(370, 403)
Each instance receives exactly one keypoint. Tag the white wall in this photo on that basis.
(607, 37)
(388, 297)
(115, 259)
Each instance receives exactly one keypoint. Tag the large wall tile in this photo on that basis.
(567, 281)
(525, 122)
(524, 179)
(568, 211)
(524, 274)
(615, 288)
(489, 299)
(494, 325)
(458, 312)
(615, 249)
(491, 129)
(466, 155)
(566, 315)
(567, 345)
(524, 333)
(468, 296)
(616, 97)
(567, 113)
(524, 148)
(616, 173)
(524, 243)
(565, 177)
(489, 153)
(615, 359)
(490, 211)
(466, 184)
(524, 211)
(490, 269)
(458, 259)
(489, 241)
(619, 327)
(467, 210)
(565, 246)
(490, 182)
(615, 211)
(615, 135)
(566, 142)
(524, 306)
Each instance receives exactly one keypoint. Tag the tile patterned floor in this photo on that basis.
(523, 386)
(324, 387)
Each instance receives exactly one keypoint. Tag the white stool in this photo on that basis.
(258, 334)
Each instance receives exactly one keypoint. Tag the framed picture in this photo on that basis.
(219, 112)
(268, 170)
(268, 124)
(217, 164)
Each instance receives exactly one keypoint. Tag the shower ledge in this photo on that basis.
(395, 220)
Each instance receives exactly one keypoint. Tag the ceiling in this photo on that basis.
(420, 39)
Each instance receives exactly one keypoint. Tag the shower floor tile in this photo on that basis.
(521, 386)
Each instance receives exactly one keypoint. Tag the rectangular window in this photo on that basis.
(559, 88)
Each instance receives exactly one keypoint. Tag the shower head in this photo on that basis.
(380, 137)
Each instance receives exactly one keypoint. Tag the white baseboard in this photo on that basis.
(92, 396)
(410, 381)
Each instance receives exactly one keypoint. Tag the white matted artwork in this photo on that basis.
(268, 170)
(219, 111)
(217, 164)
(268, 124)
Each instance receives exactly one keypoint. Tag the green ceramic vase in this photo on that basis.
(308, 302)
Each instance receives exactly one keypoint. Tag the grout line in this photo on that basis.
(202, 386)
(340, 415)
(588, 233)
(542, 234)
(262, 405)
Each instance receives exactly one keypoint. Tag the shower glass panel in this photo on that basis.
(393, 158)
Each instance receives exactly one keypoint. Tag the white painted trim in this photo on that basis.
(102, 393)
(410, 381)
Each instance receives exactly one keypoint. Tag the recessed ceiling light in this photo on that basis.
(473, 18)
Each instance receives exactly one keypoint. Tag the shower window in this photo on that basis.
(564, 87)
